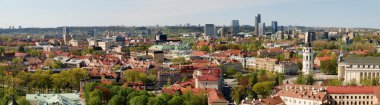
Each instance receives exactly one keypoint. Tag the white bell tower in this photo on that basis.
(308, 55)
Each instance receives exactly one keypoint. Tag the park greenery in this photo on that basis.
(305, 79)
(41, 81)
(257, 84)
(100, 94)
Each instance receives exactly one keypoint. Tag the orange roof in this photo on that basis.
(213, 96)
(361, 52)
(198, 53)
(272, 101)
(18, 54)
(278, 50)
(324, 58)
(352, 89)
(203, 43)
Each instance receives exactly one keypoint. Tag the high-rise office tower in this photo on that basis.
(235, 27)
(257, 22)
(261, 29)
(66, 33)
(274, 27)
(310, 36)
(209, 30)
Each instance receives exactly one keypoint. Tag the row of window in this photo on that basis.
(300, 102)
(364, 66)
(369, 74)
(353, 103)
(352, 97)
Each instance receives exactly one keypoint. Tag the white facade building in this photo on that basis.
(357, 68)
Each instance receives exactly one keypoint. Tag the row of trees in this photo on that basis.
(100, 94)
(131, 76)
(44, 81)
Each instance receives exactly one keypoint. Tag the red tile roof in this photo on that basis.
(352, 89)
(198, 53)
(276, 50)
(203, 43)
(20, 54)
(324, 58)
(213, 96)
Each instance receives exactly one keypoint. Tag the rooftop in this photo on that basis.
(352, 89)
(362, 60)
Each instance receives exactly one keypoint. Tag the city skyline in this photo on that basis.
(318, 13)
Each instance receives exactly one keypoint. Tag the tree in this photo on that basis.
(116, 100)
(279, 78)
(176, 100)
(35, 53)
(2, 50)
(192, 99)
(230, 71)
(59, 82)
(139, 100)
(134, 76)
(238, 93)
(94, 97)
(21, 49)
(329, 66)
(179, 60)
(205, 49)
(95, 100)
(305, 79)
(365, 82)
(23, 101)
(300, 79)
(57, 65)
(309, 79)
(334, 82)
(263, 88)
(17, 60)
(75, 75)
(87, 51)
(280, 57)
(352, 83)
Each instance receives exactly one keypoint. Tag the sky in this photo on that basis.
(320, 13)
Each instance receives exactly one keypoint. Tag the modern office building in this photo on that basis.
(223, 32)
(209, 30)
(257, 22)
(261, 29)
(235, 27)
(66, 34)
(310, 36)
(274, 27)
